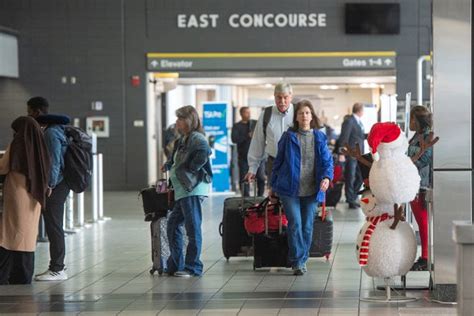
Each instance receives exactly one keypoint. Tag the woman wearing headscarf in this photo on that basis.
(26, 164)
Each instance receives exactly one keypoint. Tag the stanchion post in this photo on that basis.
(94, 185)
(100, 174)
(69, 214)
(80, 210)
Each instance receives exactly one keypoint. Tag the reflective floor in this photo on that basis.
(108, 266)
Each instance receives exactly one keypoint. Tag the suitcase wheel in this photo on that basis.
(227, 258)
(327, 256)
(152, 271)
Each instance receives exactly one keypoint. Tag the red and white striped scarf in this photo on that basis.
(364, 247)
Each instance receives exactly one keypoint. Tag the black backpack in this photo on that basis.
(77, 159)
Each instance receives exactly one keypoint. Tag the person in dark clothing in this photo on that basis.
(53, 212)
(352, 134)
(242, 135)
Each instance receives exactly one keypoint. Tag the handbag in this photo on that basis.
(254, 218)
(158, 198)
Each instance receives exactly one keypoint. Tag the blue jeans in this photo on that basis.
(186, 211)
(300, 212)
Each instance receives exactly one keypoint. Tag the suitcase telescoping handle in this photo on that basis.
(323, 205)
(280, 219)
(242, 200)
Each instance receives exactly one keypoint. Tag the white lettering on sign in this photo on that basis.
(346, 62)
(256, 20)
(164, 63)
(213, 114)
(201, 21)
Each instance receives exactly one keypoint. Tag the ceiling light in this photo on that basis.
(328, 87)
(369, 85)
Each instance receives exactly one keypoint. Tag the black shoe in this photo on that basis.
(420, 265)
(354, 205)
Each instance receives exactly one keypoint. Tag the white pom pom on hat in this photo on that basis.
(386, 132)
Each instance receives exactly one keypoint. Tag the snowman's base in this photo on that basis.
(388, 298)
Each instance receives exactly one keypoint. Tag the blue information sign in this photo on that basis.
(214, 122)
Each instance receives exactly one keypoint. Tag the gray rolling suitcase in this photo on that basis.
(323, 227)
(160, 250)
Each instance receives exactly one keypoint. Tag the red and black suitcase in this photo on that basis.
(271, 247)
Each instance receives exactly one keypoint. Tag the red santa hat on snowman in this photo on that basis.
(386, 135)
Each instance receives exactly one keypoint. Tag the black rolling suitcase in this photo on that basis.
(235, 240)
(322, 235)
(270, 249)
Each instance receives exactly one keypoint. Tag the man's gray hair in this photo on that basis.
(283, 87)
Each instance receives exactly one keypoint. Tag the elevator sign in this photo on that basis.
(270, 61)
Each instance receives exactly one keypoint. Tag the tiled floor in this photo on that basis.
(108, 266)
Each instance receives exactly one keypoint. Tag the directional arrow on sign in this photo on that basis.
(387, 62)
(154, 63)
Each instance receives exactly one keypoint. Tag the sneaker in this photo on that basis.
(304, 268)
(182, 274)
(51, 276)
(298, 271)
(420, 265)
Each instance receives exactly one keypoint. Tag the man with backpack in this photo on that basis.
(271, 124)
(37, 106)
(58, 190)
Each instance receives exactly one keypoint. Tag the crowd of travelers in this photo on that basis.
(287, 147)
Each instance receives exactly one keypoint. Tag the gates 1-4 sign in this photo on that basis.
(254, 20)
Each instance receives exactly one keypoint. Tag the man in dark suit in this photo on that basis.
(352, 133)
(242, 135)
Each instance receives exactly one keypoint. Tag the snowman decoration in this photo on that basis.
(386, 246)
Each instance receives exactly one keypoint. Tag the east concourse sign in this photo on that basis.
(270, 61)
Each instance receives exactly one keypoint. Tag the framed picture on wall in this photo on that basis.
(98, 125)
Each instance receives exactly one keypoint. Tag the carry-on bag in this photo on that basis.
(271, 246)
(322, 234)
(158, 198)
(235, 240)
(254, 217)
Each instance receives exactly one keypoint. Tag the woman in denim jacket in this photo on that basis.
(301, 173)
(191, 175)
(420, 123)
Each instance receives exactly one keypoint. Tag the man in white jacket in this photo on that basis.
(264, 144)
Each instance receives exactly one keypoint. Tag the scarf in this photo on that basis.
(364, 247)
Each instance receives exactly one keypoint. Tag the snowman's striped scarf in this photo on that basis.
(364, 247)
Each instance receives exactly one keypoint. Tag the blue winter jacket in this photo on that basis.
(287, 165)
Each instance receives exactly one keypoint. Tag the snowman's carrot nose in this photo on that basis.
(365, 200)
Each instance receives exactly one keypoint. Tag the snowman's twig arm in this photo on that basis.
(355, 153)
(399, 215)
(424, 145)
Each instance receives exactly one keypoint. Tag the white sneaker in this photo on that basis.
(51, 276)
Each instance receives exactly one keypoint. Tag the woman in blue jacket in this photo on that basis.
(302, 171)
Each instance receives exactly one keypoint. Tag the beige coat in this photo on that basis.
(21, 212)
